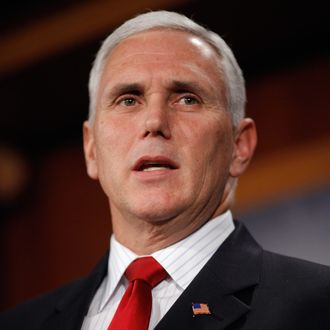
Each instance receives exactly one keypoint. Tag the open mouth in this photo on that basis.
(155, 164)
(154, 167)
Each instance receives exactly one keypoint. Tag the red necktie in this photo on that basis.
(133, 312)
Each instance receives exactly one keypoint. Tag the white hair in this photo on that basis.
(229, 70)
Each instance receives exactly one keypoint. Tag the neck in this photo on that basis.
(146, 237)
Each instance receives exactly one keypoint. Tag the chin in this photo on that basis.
(156, 215)
(155, 212)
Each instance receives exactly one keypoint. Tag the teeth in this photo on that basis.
(157, 168)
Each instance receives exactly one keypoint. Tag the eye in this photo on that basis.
(188, 100)
(127, 101)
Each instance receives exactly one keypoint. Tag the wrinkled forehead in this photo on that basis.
(166, 53)
(163, 56)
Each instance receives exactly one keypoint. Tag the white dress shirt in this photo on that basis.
(182, 261)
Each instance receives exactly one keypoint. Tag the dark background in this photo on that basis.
(54, 220)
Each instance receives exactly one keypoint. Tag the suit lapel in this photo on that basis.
(71, 308)
(226, 284)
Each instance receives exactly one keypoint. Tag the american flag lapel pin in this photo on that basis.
(199, 309)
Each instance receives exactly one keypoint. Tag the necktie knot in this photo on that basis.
(146, 269)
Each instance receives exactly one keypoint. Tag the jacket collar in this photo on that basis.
(226, 284)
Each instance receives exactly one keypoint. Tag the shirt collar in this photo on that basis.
(182, 260)
(119, 259)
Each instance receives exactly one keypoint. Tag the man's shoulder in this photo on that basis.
(275, 266)
(34, 312)
(39, 312)
(287, 266)
(295, 279)
(282, 280)
(291, 292)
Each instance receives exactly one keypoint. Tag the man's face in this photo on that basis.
(162, 142)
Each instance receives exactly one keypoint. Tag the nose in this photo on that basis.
(157, 121)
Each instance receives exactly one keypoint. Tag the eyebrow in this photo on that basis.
(125, 88)
(175, 86)
(187, 86)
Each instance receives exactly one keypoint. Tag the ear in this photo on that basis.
(89, 150)
(244, 146)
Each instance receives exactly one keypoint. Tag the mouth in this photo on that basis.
(159, 163)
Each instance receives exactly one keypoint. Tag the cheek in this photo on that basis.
(215, 152)
(208, 152)
(209, 137)
(222, 150)
(113, 133)
(111, 147)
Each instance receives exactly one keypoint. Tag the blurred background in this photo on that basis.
(55, 221)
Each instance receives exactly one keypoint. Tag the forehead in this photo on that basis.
(162, 51)
(158, 40)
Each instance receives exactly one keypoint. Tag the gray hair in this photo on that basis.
(228, 67)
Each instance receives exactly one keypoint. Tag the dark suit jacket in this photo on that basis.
(245, 287)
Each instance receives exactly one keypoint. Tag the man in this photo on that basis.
(167, 139)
